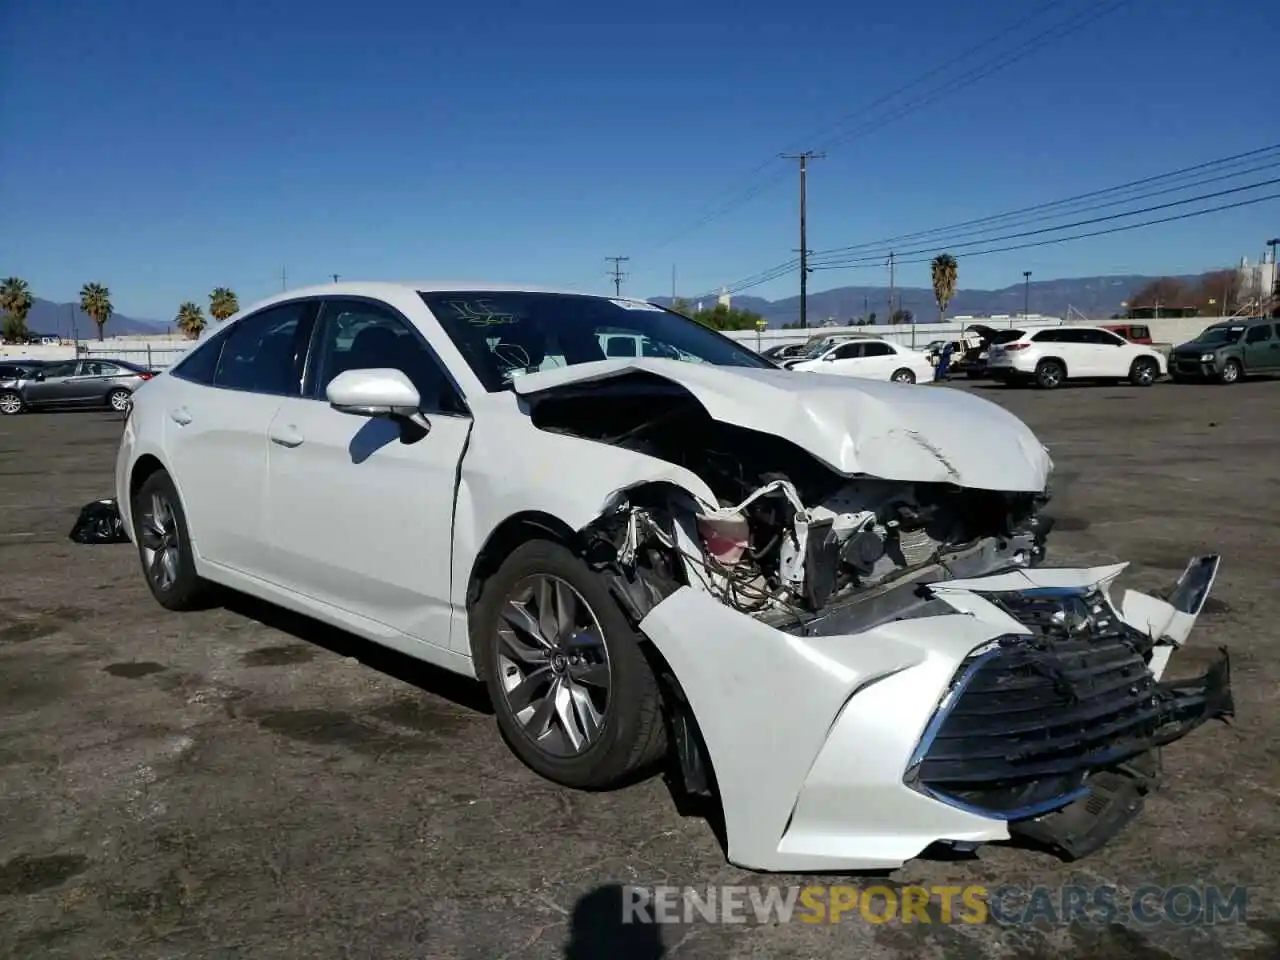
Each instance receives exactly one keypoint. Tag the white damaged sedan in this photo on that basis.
(823, 599)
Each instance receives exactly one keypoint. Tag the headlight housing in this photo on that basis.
(1206, 358)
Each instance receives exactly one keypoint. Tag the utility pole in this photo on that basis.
(284, 278)
(673, 283)
(1026, 294)
(1275, 273)
(335, 277)
(890, 319)
(617, 273)
(804, 159)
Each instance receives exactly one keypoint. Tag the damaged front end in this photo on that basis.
(862, 666)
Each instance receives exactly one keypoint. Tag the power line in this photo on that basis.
(1056, 240)
(993, 65)
(1019, 214)
(1120, 229)
(617, 273)
(1198, 170)
(850, 261)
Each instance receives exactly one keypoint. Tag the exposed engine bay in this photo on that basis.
(787, 532)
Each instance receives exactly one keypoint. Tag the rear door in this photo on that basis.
(220, 404)
(1261, 349)
(878, 361)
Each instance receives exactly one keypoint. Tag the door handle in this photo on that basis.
(286, 436)
(180, 415)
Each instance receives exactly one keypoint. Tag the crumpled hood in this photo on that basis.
(893, 431)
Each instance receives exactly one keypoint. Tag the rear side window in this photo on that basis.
(1258, 334)
(876, 350)
(266, 351)
(1139, 333)
(1047, 336)
(200, 365)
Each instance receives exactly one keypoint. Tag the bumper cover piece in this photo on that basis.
(963, 709)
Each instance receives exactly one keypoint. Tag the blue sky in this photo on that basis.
(165, 148)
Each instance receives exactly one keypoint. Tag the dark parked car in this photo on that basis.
(74, 383)
(1228, 351)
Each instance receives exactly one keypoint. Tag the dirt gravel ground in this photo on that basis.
(240, 783)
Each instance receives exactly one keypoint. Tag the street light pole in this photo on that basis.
(1275, 274)
(1026, 294)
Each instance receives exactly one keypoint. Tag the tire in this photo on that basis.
(174, 583)
(630, 735)
(119, 400)
(1144, 372)
(10, 403)
(1050, 374)
(903, 376)
(1231, 372)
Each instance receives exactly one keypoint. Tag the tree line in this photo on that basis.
(16, 301)
(1216, 293)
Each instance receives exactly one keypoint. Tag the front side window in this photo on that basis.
(503, 335)
(364, 335)
(66, 368)
(265, 352)
(1104, 338)
(850, 351)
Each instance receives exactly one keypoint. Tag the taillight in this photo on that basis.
(146, 376)
(1016, 346)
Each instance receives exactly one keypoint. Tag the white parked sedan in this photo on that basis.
(870, 358)
(822, 593)
(1050, 356)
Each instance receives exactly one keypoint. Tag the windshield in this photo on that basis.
(1219, 335)
(506, 334)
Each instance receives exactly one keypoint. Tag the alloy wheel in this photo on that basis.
(1146, 373)
(161, 544)
(120, 400)
(553, 665)
(10, 403)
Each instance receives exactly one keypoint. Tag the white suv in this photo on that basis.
(1051, 355)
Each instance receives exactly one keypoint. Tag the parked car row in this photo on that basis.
(1050, 356)
(97, 382)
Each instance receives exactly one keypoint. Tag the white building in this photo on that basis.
(1257, 281)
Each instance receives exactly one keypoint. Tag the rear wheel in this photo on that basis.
(903, 376)
(10, 403)
(574, 695)
(1050, 374)
(119, 400)
(164, 545)
(1144, 372)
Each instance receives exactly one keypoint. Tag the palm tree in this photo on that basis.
(16, 302)
(190, 319)
(945, 272)
(223, 303)
(95, 300)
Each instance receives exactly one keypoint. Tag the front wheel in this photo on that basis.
(574, 695)
(119, 400)
(1230, 372)
(164, 545)
(1144, 372)
(10, 403)
(903, 376)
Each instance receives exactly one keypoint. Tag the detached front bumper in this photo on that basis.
(950, 710)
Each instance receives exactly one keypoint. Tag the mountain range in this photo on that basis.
(1095, 297)
(55, 320)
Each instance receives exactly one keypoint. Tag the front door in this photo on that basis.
(55, 384)
(360, 510)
